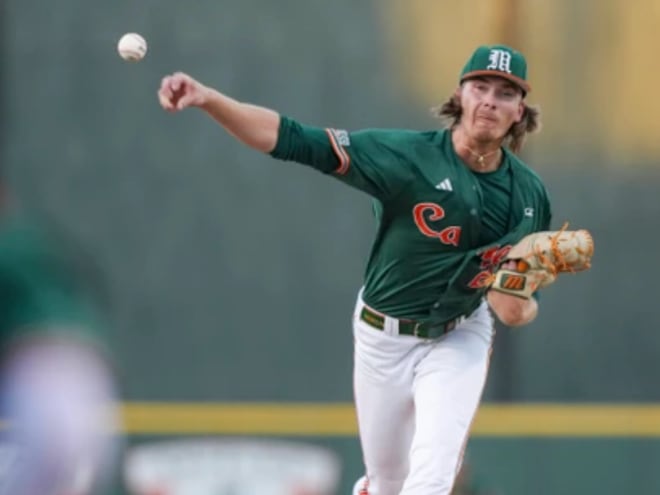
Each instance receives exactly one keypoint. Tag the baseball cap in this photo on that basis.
(498, 60)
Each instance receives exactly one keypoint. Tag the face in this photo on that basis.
(491, 105)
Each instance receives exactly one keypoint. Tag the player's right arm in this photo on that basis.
(255, 126)
(367, 160)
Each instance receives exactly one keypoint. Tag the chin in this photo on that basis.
(487, 136)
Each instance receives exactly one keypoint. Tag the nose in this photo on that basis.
(490, 100)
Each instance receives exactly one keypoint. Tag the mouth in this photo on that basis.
(487, 118)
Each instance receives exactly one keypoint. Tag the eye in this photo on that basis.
(508, 93)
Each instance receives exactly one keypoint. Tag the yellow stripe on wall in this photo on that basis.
(250, 419)
(338, 419)
(551, 420)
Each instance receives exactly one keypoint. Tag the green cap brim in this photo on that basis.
(524, 85)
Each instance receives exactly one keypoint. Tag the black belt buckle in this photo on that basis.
(434, 331)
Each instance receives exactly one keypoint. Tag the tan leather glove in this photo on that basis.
(540, 257)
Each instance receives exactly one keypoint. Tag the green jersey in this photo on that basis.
(442, 229)
(38, 289)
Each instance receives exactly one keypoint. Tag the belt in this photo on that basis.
(410, 327)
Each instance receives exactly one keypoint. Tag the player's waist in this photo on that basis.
(409, 292)
(403, 326)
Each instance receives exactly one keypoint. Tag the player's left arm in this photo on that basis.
(533, 263)
(511, 310)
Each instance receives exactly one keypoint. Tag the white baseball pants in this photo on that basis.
(416, 400)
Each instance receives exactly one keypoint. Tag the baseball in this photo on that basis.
(132, 47)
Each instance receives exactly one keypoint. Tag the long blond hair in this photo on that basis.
(451, 111)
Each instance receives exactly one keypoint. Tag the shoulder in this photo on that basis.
(531, 186)
(395, 137)
(525, 173)
(403, 145)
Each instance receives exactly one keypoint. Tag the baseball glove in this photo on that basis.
(540, 257)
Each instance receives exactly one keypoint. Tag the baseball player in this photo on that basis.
(450, 205)
(57, 387)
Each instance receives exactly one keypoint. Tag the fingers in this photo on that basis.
(185, 101)
(177, 81)
(165, 100)
(509, 265)
(166, 95)
(172, 93)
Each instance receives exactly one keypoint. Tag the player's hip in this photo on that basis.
(403, 329)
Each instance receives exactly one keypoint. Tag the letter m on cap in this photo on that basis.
(499, 60)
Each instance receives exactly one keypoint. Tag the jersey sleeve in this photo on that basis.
(372, 160)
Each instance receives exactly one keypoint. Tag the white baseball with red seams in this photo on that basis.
(428, 391)
(132, 47)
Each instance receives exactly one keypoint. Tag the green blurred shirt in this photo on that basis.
(40, 291)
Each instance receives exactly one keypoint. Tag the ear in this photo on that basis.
(458, 92)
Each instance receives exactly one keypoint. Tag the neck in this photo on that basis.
(478, 156)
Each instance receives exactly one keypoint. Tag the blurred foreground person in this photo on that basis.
(57, 386)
